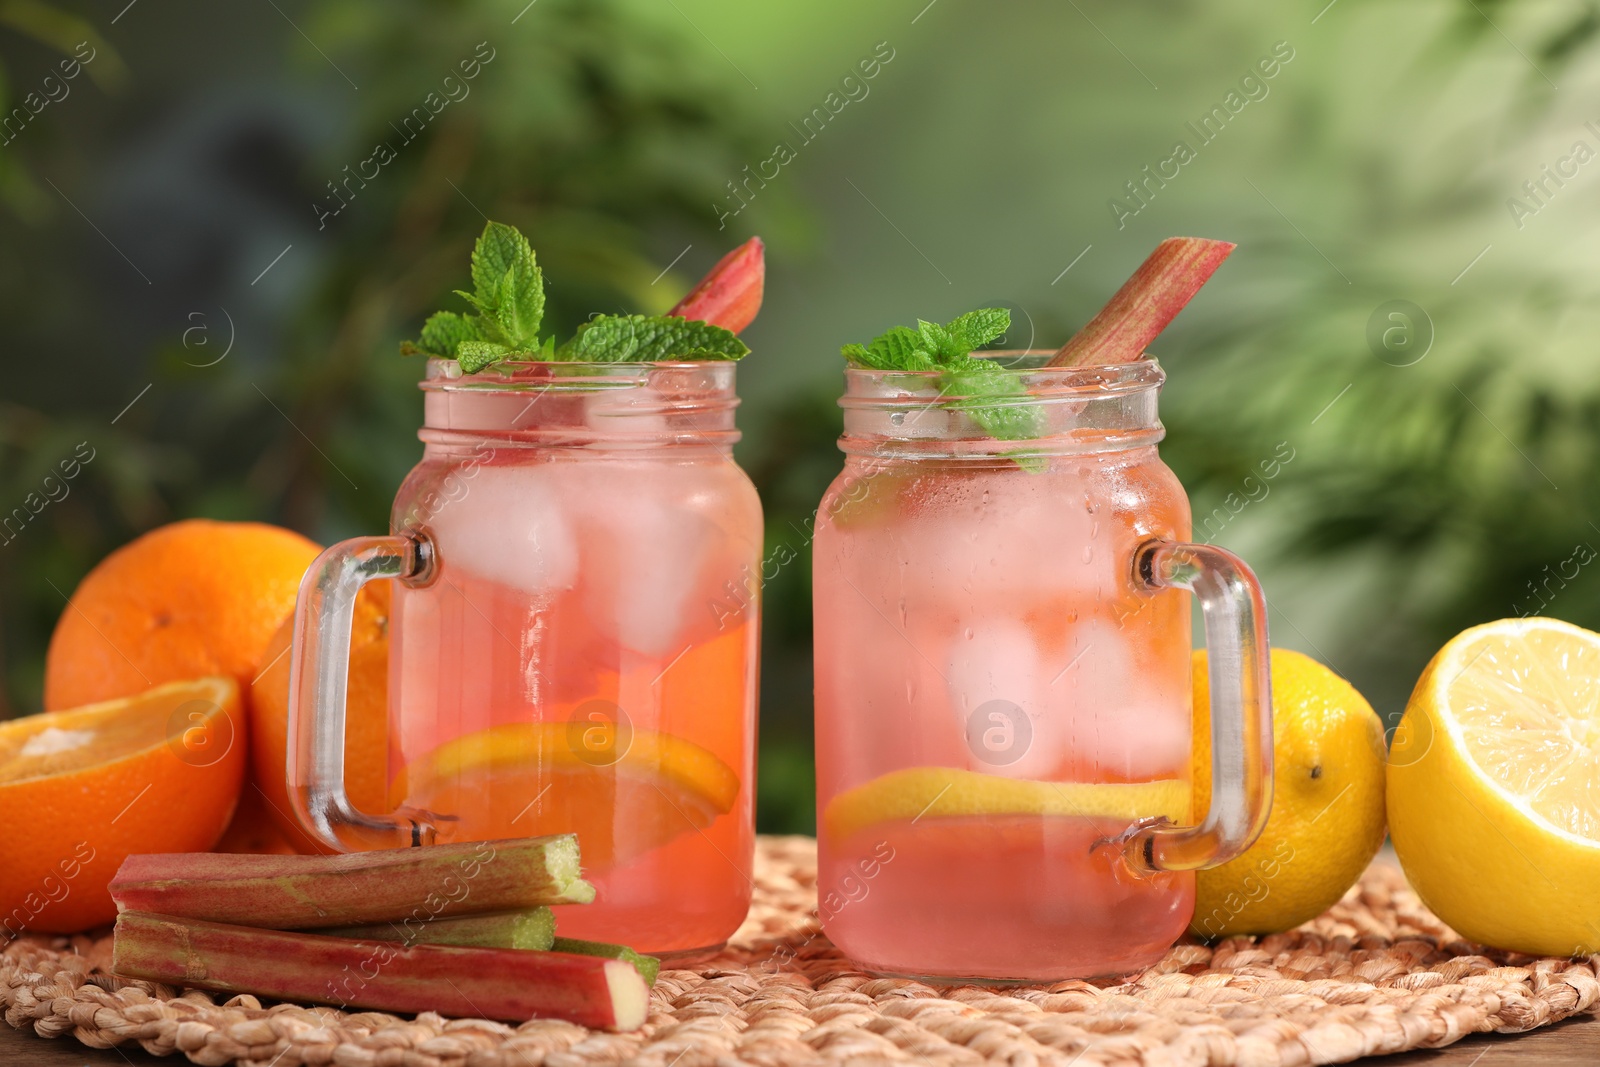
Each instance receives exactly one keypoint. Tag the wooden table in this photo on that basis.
(1574, 1043)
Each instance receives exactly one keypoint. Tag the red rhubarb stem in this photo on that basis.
(1145, 304)
(392, 885)
(603, 994)
(730, 295)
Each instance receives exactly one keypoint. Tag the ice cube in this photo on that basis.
(508, 524)
(658, 556)
(1008, 533)
(1109, 717)
(996, 676)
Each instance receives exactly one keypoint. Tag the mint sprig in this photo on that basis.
(508, 293)
(981, 386)
(508, 298)
(650, 339)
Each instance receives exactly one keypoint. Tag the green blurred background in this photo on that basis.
(1404, 318)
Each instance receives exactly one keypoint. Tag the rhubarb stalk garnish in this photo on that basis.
(1145, 304)
(730, 295)
(604, 994)
(304, 892)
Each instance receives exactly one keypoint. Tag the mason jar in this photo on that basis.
(572, 645)
(1003, 679)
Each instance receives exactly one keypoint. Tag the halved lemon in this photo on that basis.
(622, 791)
(1494, 786)
(82, 789)
(933, 792)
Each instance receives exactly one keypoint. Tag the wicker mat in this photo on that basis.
(1377, 974)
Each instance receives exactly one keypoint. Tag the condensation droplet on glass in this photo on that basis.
(897, 418)
(1088, 553)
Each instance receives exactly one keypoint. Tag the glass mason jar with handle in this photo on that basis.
(572, 643)
(1003, 715)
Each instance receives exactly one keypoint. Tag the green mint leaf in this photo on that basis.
(650, 339)
(444, 331)
(940, 343)
(521, 306)
(977, 328)
(900, 346)
(897, 349)
(991, 397)
(498, 247)
(474, 356)
(508, 288)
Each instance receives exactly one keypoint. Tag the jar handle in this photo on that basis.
(319, 665)
(1235, 612)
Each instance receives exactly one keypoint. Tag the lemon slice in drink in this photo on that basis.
(622, 791)
(932, 792)
(1494, 786)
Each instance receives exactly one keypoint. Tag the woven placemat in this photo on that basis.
(1376, 974)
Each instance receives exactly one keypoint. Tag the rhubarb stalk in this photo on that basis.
(602, 994)
(647, 966)
(531, 928)
(730, 295)
(304, 892)
(1145, 304)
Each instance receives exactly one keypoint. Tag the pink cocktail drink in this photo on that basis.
(1003, 698)
(1008, 895)
(578, 651)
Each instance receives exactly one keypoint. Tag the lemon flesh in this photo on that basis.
(934, 792)
(624, 793)
(1494, 786)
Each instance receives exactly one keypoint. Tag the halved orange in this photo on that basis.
(81, 790)
(622, 791)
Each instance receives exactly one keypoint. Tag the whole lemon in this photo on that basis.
(1327, 816)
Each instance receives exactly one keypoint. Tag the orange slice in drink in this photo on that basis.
(622, 791)
(81, 790)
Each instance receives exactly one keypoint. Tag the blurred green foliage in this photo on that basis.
(594, 133)
(1424, 496)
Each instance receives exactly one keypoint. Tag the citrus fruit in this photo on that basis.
(83, 789)
(366, 751)
(623, 791)
(1494, 786)
(1327, 803)
(945, 791)
(193, 598)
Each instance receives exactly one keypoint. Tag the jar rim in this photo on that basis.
(868, 385)
(561, 375)
(1039, 410)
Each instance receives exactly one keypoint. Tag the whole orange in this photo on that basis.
(193, 598)
(366, 754)
(83, 789)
